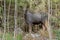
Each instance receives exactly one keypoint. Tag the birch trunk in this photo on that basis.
(4, 20)
(15, 20)
(8, 15)
(49, 27)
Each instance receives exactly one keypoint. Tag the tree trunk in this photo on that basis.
(8, 15)
(49, 27)
(4, 20)
(15, 20)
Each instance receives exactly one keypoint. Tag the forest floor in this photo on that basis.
(33, 36)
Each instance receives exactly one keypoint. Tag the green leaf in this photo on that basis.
(55, 1)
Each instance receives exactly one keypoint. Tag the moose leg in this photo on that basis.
(44, 26)
(35, 28)
(30, 28)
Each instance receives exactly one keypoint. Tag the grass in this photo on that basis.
(19, 37)
(9, 36)
(57, 33)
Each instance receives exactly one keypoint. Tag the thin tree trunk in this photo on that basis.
(1, 17)
(8, 15)
(56, 10)
(4, 20)
(51, 8)
(49, 27)
(15, 19)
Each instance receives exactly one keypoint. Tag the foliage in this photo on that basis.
(9, 36)
(57, 33)
(55, 1)
(12, 1)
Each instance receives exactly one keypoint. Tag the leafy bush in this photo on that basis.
(57, 33)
